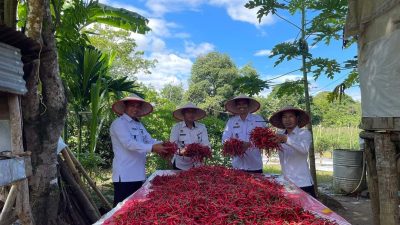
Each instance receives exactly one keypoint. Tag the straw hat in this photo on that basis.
(119, 106)
(230, 105)
(199, 114)
(276, 118)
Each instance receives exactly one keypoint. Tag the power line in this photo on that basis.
(328, 85)
(282, 75)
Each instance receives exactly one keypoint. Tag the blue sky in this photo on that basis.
(185, 29)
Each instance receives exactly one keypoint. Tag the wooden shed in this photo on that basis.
(15, 164)
(376, 25)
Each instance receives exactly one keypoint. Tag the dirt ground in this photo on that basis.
(356, 210)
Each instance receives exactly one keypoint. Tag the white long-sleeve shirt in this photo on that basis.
(183, 135)
(130, 142)
(293, 157)
(240, 129)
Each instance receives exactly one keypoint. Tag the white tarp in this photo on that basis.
(60, 145)
(379, 69)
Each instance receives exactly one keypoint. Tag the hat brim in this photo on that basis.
(276, 118)
(230, 106)
(119, 106)
(200, 114)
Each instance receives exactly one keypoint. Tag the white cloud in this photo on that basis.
(182, 35)
(234, 8)
(161, 7)
(263, 52)
(149, 43)
(126, 6)
(240, 13)
(192, 50)
(161, 27)
(170, 69)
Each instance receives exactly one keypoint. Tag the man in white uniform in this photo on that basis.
(131, 142)
(295, 144)
(188, 131)
(240, 126)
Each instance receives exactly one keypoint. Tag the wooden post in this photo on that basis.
(387, 179)
(89, 180)
(24, 209)
(372, 179)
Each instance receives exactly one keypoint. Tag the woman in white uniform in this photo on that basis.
(239, 126)
(188, 131)
(295, 144)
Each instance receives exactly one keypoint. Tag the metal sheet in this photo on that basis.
(11, 70)
(11, 170)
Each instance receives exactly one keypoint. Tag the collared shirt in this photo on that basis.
(130, 142)
(183, 135)
(240, 129)
(293, 157)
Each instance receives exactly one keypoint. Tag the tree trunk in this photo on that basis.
(385, 152)
(44, 109)
(304, 47)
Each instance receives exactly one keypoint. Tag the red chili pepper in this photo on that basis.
(171, 148)
(214, 195)
(263, 138)
(233, 147)
(197, 152)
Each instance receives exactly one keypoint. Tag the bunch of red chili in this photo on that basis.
(233, 147)
(197, 152)
(214, 195)
(171, 148)
(263, 138)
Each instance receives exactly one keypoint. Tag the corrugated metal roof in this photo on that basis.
(15, 49)
(11, 72)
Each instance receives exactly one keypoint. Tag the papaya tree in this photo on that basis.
(320, 21)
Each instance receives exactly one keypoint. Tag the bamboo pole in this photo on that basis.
(23, 206)
(89, 180)
(87, 207)
(75, 174)
(385, 151)
(5, 213)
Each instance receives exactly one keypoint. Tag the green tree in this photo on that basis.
(279, 98)
(343, 113)
(119, 42)
(174, 93)
(92, 80)
(211, 82)
(249, 82)
(90, 88)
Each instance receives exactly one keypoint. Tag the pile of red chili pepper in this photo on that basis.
(262, 138)
(171, 148)
(214, 195)
(233, 147)
(197, 152)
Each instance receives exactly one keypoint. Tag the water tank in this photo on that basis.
(348, 170)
